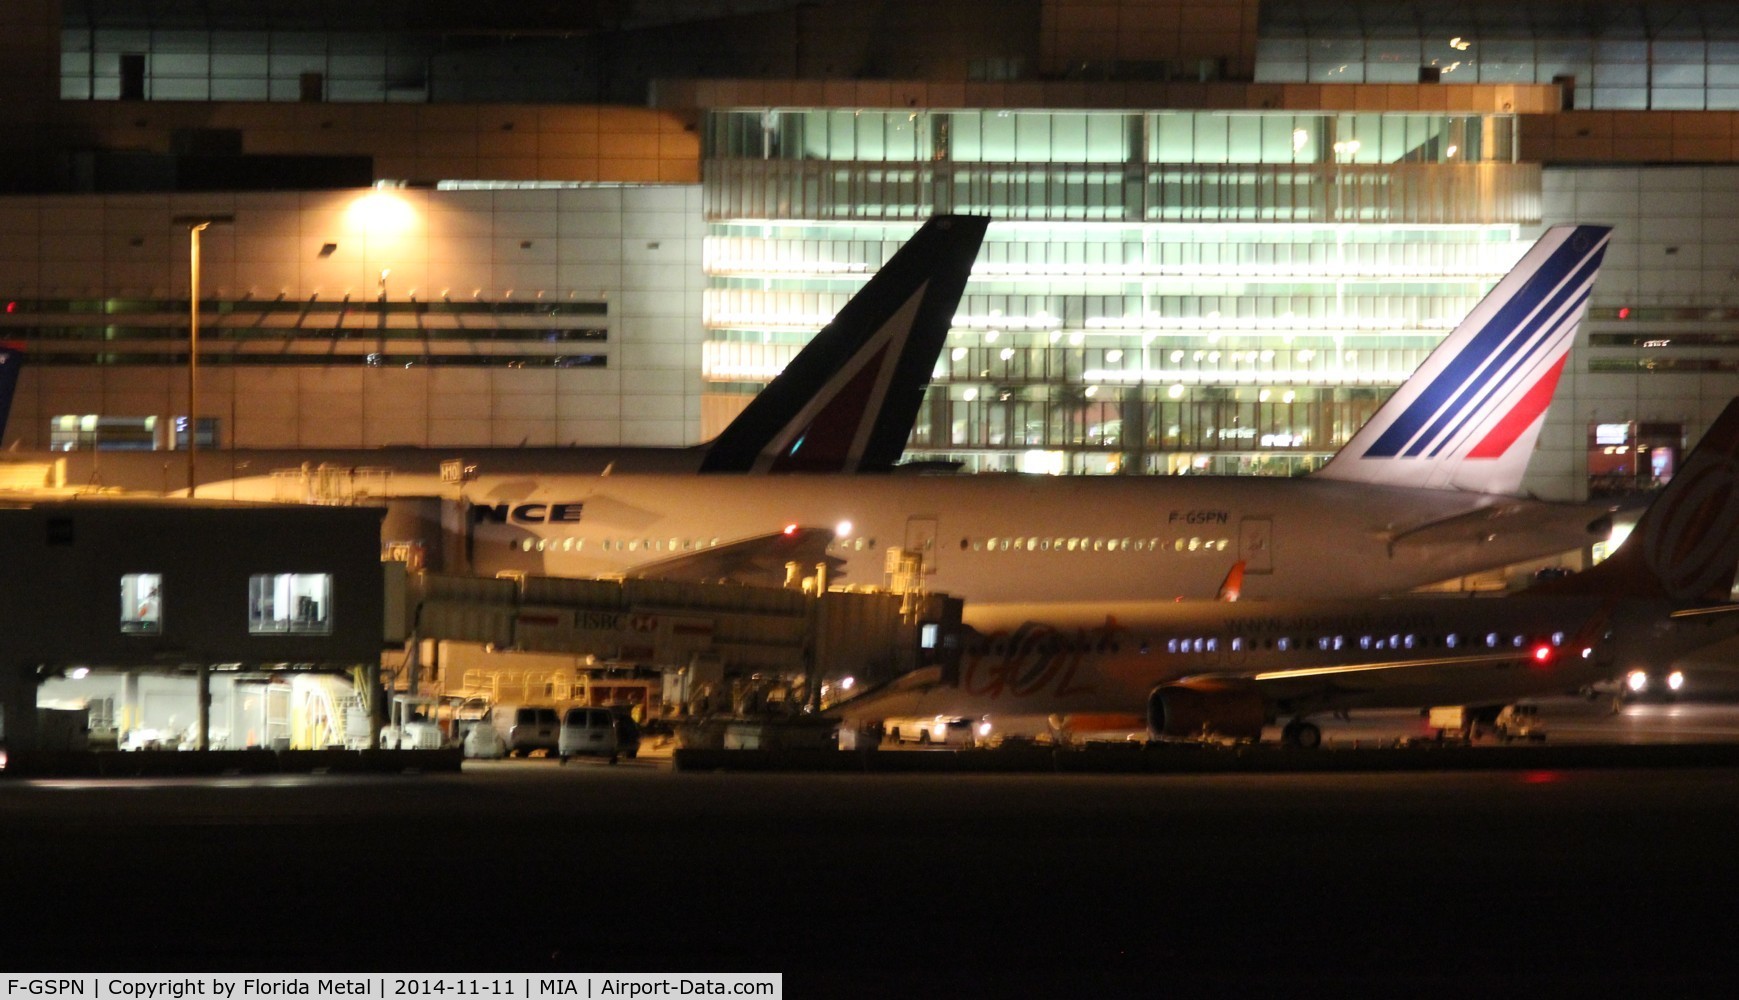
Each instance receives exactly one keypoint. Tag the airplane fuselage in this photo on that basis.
(1404, 652)
(1018, 539)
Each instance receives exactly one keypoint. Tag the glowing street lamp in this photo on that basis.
(195, 224)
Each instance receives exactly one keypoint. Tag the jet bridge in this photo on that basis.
(711, 634)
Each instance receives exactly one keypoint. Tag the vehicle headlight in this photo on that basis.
(1636, 681)
(984, 728)
(1676, 679)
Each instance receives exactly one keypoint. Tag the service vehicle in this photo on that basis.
(949, 730)
(1520, 721)
(413, 725)
(525, 728)
(589, 732)
(627, 734)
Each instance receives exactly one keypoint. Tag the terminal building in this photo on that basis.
(1222, 230)
(208, 605)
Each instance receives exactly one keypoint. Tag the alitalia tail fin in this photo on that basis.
(847, 401)
(1469, 417)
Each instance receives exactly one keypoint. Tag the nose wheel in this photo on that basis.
(1301, 734)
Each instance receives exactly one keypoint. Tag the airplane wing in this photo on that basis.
(1239, 705)
(1485, 524)
(759, 561)
(1400, 683)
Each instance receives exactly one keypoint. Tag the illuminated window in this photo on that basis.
(291, 603)
(142, 603)
(70, 432)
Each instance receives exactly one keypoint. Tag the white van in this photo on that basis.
(587, 731)
(525, 728)
(939, 729)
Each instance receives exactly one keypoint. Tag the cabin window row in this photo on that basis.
(1079, 544)
(1368, 643)
(613, 544)
(857, 543)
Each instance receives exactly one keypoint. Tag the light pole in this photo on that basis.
(195, 224)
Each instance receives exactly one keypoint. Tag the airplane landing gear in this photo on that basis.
(1301, 734)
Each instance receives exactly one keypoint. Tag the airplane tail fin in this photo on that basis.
(11, 360)
(847, 401)
(1685, 547)
(1469, 417)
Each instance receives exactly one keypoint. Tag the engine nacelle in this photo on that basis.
(1209, 706)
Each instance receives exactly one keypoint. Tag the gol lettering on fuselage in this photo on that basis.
(1033, 659)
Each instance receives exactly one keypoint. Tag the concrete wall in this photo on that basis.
(1675, 243)
(65, 563)
(637, 249)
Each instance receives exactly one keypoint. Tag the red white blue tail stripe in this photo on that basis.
(1469, 417)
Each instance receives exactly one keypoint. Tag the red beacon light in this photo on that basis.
(1623, 312)
(790, 529)
(1542, 654)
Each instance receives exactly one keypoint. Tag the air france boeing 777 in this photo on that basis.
(1421, 495)
(1227, 669)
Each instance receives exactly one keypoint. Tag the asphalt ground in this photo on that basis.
(1591, 882)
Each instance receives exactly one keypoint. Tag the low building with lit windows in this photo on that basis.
(149, 603)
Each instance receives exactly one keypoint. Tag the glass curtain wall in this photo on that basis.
(1125, 342)
(1661, 56)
